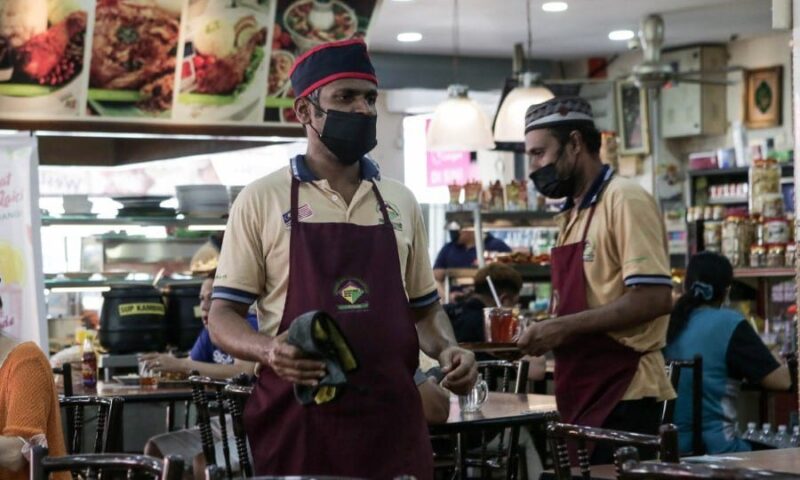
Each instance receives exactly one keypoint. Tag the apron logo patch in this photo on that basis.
(394, 215)
(351, 295)
(303, 212)
(588, 252)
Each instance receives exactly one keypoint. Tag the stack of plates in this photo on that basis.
(143, 206)
(202, 200)
(234, 191)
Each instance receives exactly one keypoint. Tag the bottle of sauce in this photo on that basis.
(89, 362)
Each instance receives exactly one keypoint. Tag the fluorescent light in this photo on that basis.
(205, 228)
(78, 289)
(620, 35)
(555, 6)
(407, 37)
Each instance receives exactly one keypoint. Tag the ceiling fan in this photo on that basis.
(653, 72)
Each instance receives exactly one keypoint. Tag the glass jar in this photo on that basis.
(773, 205)
(758, 256)
(712, 235)
(776, 230)
(737, 237)
(791, 251)
(776, 256)
(765, 178)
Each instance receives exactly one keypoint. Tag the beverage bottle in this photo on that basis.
(750, 433)
(794, 441)
(781, 439)
(89, 363)
(766, 436)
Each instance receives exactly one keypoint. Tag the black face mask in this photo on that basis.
(454, 234)
(549, 184)
(349, 136)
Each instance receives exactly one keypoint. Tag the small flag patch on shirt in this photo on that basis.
(303, 212)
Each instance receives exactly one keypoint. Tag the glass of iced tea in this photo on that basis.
(500, 324)
(148, 378)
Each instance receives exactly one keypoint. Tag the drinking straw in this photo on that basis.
(494, 292)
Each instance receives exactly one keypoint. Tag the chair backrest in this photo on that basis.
(674, 368)
(236, 394)
(559, 434)
(504, 376)
(65, 371)
(94, 465)
(629, 468)
(228, 397)
(108, 415)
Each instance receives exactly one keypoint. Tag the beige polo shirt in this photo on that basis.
(626, 246)
(254, 262)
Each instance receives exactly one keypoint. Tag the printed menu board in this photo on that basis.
(42, 56)
(163, 61)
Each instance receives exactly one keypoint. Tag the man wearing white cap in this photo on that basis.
(611, 279)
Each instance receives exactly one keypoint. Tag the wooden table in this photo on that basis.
(785, 460)
(501, 410)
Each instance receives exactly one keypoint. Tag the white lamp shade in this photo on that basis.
(510, 123)
(459, 124)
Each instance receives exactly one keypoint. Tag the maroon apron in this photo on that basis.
(376, 429)
(593, 371)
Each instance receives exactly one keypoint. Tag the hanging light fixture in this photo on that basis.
(459, 123)
(509, 126)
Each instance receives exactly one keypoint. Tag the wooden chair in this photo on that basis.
(65, 371)
(558, 434)
(108, 416)
(504, 458)
(236, 393)
(629, 468)
(227, 399)
(95, 465)
(674, 368)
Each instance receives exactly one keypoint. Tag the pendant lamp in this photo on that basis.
(459, 123)
(509, 125)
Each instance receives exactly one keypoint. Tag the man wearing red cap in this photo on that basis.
(327, 233)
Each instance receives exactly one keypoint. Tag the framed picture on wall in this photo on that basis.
(763, 97)
(632, 119)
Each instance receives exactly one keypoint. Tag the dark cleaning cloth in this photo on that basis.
(318, 336)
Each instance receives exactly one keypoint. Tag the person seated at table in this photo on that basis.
(460, 252)
(29, 409)
(205, 357)
(731, 351)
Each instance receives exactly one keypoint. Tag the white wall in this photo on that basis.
(389, 152)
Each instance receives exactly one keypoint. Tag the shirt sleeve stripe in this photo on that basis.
(234, 295)
(424, 300)
(648, 280)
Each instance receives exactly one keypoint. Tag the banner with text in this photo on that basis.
(21, 279)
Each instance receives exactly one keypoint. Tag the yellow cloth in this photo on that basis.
(626, 243)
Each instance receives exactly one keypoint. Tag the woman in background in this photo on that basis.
(731, 351)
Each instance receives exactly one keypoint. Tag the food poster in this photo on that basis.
(134, 58)
(42, 57)
(299, 26)
(224, 61)
(22, 312)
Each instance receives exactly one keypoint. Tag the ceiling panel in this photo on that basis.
(491, 27)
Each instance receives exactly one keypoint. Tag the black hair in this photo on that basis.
(708, 276)
(591, 136)
(504, 278)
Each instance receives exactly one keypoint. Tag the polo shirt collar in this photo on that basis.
(595, 190)
(369, 169)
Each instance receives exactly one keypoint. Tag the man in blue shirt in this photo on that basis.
(460, 252)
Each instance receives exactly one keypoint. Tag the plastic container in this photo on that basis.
(132, 319)
(183, 321)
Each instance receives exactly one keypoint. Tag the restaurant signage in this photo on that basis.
(177, 62)
(21, 280)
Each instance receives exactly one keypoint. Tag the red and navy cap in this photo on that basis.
(331, 61)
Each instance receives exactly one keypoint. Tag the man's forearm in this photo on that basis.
(230, 331)
(434, 330)
(637, 306)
